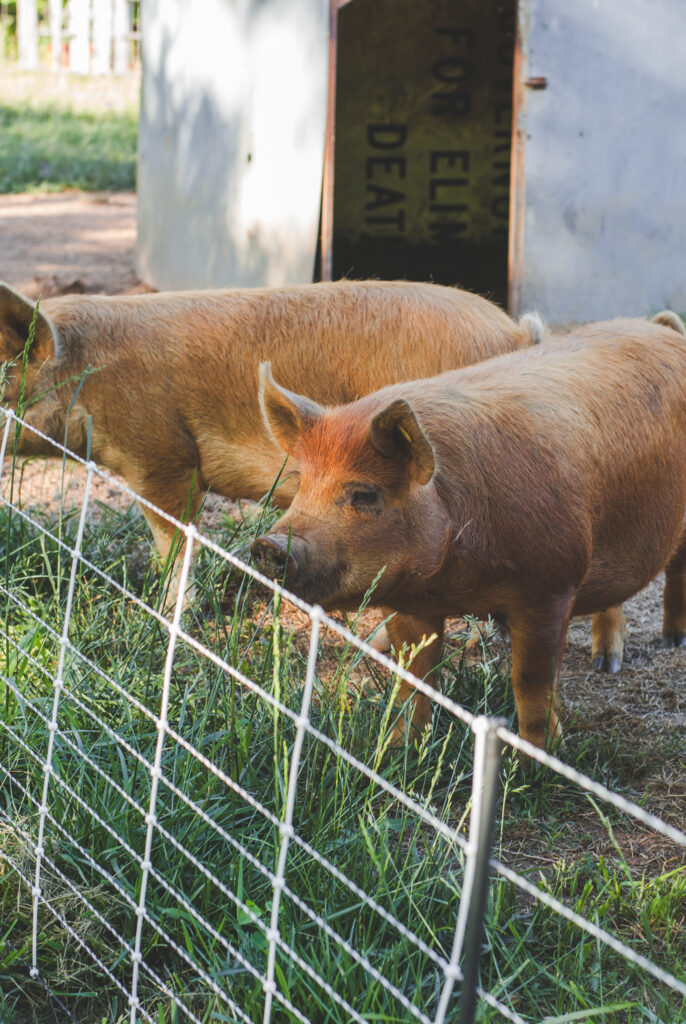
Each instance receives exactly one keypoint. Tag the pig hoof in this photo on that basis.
(611, 663)
(674, 639)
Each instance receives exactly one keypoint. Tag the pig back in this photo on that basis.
(567, 460)
(339, 341)
(336, 341)
(177, 372)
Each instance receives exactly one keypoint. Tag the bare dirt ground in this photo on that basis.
(71, 241)
(51, 244)
(61, 242)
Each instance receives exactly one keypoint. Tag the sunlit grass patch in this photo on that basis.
(51, 148)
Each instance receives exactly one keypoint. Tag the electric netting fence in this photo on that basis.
(192, 831)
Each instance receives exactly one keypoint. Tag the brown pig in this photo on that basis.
(165, 385)
(539, 485)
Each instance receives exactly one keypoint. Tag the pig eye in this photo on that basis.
(364, 497)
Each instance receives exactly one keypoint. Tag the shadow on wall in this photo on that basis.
(231, 143)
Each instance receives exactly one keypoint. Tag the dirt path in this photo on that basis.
(60, 242)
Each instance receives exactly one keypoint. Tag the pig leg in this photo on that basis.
(381, 641)
(537, 647)
(674, 602)
(179, 496)
(408, 630)
(609, 633)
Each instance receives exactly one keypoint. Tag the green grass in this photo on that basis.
(48, 148)
(535, 962)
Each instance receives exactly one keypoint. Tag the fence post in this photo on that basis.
(55, 8)
(102, 37)
(120, 30)
(27, 34)
(470, 917)
(79, 33)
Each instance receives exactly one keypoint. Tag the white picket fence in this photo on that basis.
(96, 37)
(130, 973)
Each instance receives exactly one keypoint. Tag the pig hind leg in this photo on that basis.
(674, 602)
(537, 646)
(411, 631)
(608, 636)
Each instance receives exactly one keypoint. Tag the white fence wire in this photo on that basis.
(151, 846)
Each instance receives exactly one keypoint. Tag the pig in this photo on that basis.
(165, 385)
(538, 485)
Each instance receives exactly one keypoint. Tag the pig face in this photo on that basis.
(365, 505)
(16, 314)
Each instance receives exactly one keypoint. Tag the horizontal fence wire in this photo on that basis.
(277, 882)
(676, 835)
(226, 837)
(148, 740)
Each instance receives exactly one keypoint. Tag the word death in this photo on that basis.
(385, 171)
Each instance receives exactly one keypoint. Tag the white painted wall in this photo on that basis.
(604, 228)
(231, 141)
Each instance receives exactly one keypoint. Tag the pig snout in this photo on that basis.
(272, 556)
(309, 567)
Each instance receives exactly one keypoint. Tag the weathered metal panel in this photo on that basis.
(422, 141)
(603, 230)
(231, 141)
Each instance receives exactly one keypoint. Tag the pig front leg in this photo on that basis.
(608, 636)
(674, 601)
(180, 496)
(538, 642)
(411, 631)
(381, 641)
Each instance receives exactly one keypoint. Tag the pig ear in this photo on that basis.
(395, 434)
(287, 415)
(16, 314)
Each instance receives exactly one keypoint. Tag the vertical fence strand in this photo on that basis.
(9, 419)
(52, 727)
(156, 770)
(286, 827)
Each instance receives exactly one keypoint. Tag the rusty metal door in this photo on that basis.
(417, 175)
